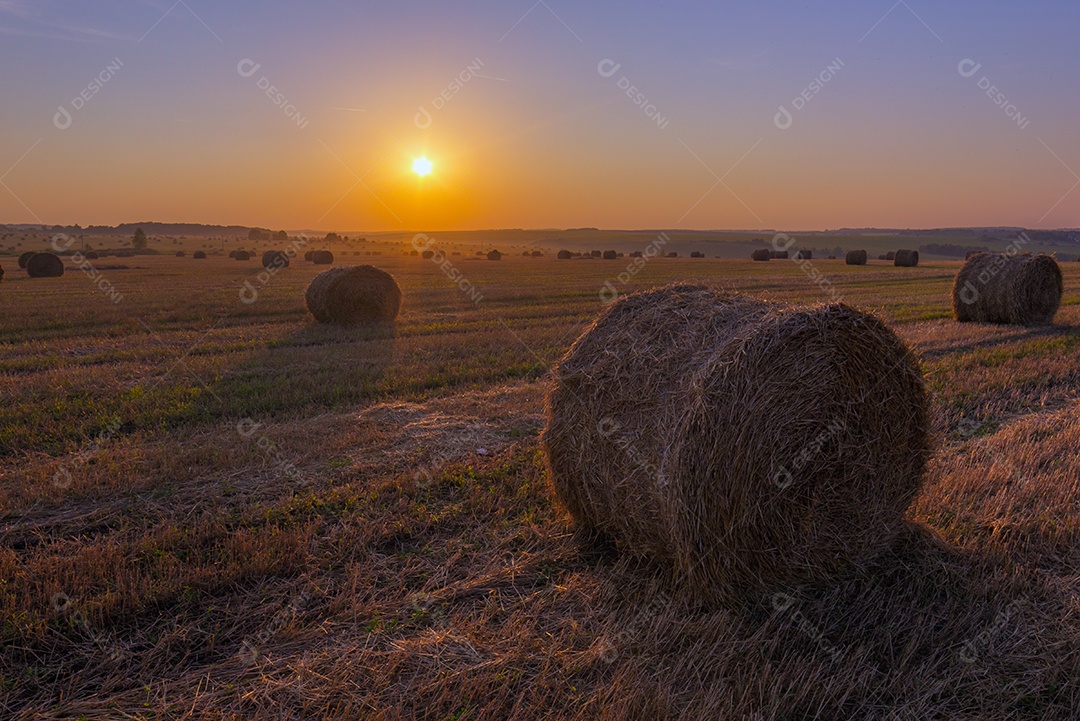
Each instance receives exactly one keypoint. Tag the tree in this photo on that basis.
(138, 241)
(281, 235)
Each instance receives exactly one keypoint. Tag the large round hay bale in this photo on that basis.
(761, 254)
(779, 254)
(90, 255)
(358, 294)
(25, 257)
(322, 257)
(44, 265)
(241, 255)
(696, 254)
(428, 254)
(804, 255)
(494, 255)
(199, 254)
(537, 254)
(564, 255)
(883, 256)
(855, 257)
(891, 255)
(275, 259)
(610, 255)
(906, 258)
(595, 253)
(180, 254)
(748, 445)
(308, 255)
(1, 272)
(1022, 289)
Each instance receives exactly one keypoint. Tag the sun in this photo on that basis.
(422, 166)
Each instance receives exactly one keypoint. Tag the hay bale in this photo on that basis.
(537, 254)
(428, 254)
(25, 257)
(609, 255)
(672, 254)
(883, 256)
(804, 255)
(564, 255)
(906, 258)
(1, 272)
(275, 259)
(1021, 289)
(761, 254)
(199, 255)
(972, 253)
(325, 257)
(494, 255)
(595, 253)
(778, 254)
(44, 265)
(637, 254)
(180, 254)
(671, 431)
(90, 255)
(696, 254)
(308, 255)
(351, 295)
(891, 255)
(241, 255)
(855, 257)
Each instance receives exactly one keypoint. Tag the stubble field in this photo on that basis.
(218, 509)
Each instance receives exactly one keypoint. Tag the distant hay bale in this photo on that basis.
(697, 254)
(891, 255)
(804, 255)
(198, 255)
(275, 259)
(671, 431)
(609, 255)
(761, 254)
(1021, 289)
(906, 258)
(90, 255)
(25, 257)
(855, 257)
(427, 254)
(672, 254)
(180, 254)
(537, 254)
(308, 255)
(883, 256)
(353, 295)
(325, 257)
(1, 272)
(564, 255)
(637, 254)
(241, 255)
(494, 255)
(44, 265)
(595, 253)
(779, 254)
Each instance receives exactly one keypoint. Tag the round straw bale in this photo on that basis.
(180, 254)
(323, 257)
(25, 257)
(44, 265)
(696, 254)
(1021, 289)
(241, 255)
(564, 255)
(595, 253)
(855, 257)
(494, 255)
(883, 256)
(537, 254)
(761, 254)
(357, 294)
(745, 444)
(428, 254)
(199, 254)
(275, 259)
(891, 255)
(610, 255)
(1, 272)
(90, 255)
(672, 254)
(308, 255)
(779, 254)
(906, 258)
(804, 254)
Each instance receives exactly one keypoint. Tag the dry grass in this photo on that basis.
(395, 572)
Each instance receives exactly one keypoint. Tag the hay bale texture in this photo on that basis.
(761, 254)
(804, 254)
(609, 255)
(906, 259)
(25, 257)
(855, 257)
(325, 257)
(1019, 289)
(199, 255)
(563, 255)
(353, 295)
(746, 445)
(44, 265)
(779, 254)
(275, 259)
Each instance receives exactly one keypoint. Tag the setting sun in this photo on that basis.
(422, 166)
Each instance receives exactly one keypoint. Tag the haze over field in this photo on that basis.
(545, 114)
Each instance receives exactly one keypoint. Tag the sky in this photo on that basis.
(540, 114)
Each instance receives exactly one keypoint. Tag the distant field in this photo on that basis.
(210, 506)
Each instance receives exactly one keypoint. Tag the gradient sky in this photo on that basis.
(538, 137)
